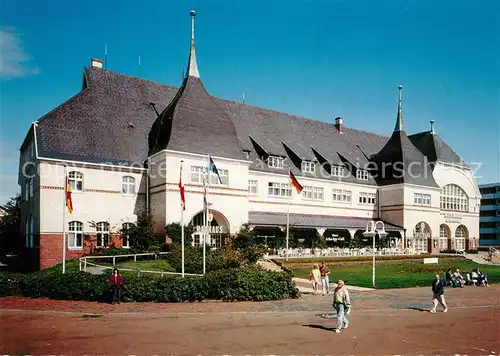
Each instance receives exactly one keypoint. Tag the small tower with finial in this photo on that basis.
(399, 121)
(193, 66)
(432, 127)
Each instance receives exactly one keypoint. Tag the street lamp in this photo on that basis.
(372, 231)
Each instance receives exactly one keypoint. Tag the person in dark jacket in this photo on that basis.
(115, 282)
(438, 295)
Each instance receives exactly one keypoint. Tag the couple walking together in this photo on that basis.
(319, 276)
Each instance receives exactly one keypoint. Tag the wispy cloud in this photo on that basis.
(14, 60)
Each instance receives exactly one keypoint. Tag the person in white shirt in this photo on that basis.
(315, 278)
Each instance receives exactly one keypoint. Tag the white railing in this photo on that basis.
(84, 263)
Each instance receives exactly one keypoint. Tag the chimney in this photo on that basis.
(96, 63)
(339, 124)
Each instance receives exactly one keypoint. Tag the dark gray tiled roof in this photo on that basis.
(193, 123)
(432, 146)
(263, 219)
(399, 161)
(111, 118)
(108, 121)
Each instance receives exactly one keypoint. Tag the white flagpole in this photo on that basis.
(182, 226)
(288, 220)
(205, 213)
(64, 221)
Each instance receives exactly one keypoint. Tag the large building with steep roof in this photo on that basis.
(120, 142)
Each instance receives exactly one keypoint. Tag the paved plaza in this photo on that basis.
(384, 322)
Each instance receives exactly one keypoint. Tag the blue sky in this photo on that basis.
(318, 59)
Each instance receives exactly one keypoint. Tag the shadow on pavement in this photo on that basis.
(419, 309)
(315, 326)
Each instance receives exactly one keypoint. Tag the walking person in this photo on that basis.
(325, 282)
(115, 282)
(438, 294)
(315, 277)
(342, 304)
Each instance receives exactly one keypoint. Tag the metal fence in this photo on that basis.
(84, 262)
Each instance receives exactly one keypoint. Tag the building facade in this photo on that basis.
(121, 140)
(489, 220)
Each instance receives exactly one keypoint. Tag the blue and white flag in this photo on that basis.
(212, 168)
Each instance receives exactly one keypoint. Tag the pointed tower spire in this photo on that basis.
(192, 65)
(399, 121)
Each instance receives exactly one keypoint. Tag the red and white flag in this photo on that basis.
(181, 189)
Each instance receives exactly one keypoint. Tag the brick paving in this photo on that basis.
(411, 298)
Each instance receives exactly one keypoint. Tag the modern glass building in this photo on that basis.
(489, 218)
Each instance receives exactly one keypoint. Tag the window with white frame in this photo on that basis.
(460, 237)
(454, 198)
(339, 171)
(367, 198)
(224, 177)
(102, 234)
(312, 193)
(215, 241)
(128, 185)
(75, 234)
(76, 181)
(198, 173)
(341, 196)
(126, 227)
(422, 199)
(275, 162)
(308, 167)
(279, 189)
(443, 238)
(361, 174)
(318, 193)
(252, 187)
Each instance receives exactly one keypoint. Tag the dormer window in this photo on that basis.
(308, 167)
(275, 162)
(361, 174)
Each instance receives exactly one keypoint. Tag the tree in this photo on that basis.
(141, 235)
(174, 231)
(245, 237)
(10, 226)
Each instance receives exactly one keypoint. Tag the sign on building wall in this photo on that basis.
(212, 229)
(452, 218)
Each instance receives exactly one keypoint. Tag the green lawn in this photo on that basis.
(400, 275)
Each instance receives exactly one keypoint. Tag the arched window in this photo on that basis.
(128, 185)
(27, 231)
(125, 237)
(32, 235)
(460, 237)
(76, 181)
(454, 198)
(75, 234)
(102, 229)
(421, 233)
(443, 237)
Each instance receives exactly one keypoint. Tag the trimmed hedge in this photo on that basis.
(237, 284)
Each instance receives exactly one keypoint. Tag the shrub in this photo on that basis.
(113, 251)
(232, 284)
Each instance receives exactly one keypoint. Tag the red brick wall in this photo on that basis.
(51, 248)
